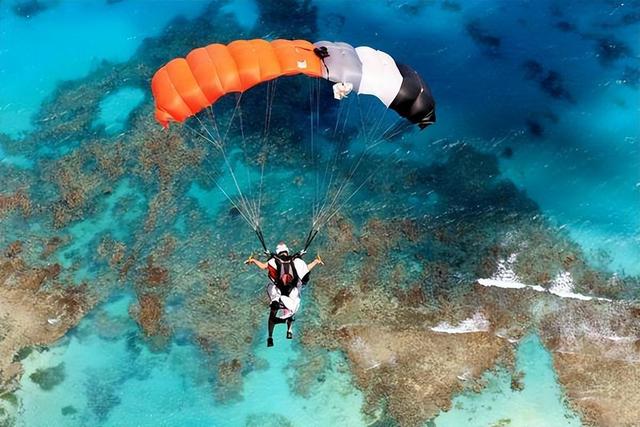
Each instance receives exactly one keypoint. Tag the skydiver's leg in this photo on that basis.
(289, 326)
(271, 325)
(273, 321)
(295, 295)
(274, 296)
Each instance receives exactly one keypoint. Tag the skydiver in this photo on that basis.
(287, 274)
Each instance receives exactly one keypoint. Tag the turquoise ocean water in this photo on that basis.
(549, 88)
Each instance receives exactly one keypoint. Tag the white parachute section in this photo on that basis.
(380, 75)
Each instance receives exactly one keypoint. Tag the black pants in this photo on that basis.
(274, 319)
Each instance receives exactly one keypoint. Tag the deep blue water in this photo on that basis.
(551, 89)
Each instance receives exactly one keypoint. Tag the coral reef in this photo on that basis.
(596, 352)
(18, 201)
(36, 308)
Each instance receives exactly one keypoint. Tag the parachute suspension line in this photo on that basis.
(312, 235)
(242, 205)
(335, 206)
(253, 215)
(374, 131)
(396, 128)
(335, 128)
(331, 166)
(213, 120)
(353, 169)
(243, 212)
(311, 134)
(263, 155)
(217, 130)
(251, 199)
(258, 232)
(220, 146)
(343, 204)
(271, 94)
(233, 202)
(367, 117)
(314, 125)
(317, 118)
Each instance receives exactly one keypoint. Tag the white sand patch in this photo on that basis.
(477, 323)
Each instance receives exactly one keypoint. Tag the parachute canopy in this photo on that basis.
(185, 86)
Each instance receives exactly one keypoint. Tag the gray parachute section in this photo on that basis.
(342, 64)
(374, 72)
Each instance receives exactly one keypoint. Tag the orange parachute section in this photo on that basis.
(185, 86)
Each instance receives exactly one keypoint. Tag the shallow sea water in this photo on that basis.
(574, 148)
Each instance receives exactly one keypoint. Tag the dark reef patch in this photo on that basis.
(553, 85)
(610, 50)
(565, 26)
(289, 19)
(48, 378)
(630, 18)
(549, 81)
(29, 8)
(101, 397)
(68, 410)
(535, 128)
(507, 152)
(489, 43)
(532, 69)
(451, 6)
(469, 180)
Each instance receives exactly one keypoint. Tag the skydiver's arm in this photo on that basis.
(317, 261)
(261, 265)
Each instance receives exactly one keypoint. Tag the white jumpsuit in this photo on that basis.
(292, 302)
